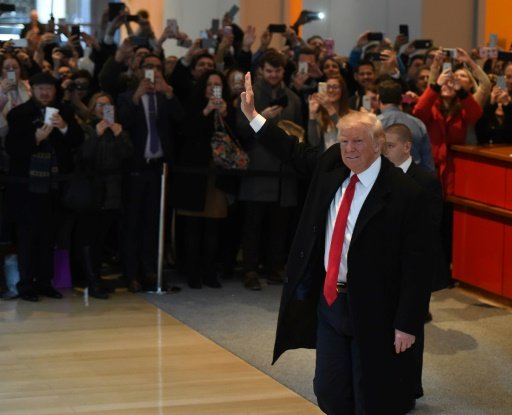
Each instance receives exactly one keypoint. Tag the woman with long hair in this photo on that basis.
(325, 110)
(201, 198)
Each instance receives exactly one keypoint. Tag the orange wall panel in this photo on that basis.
(497, 20)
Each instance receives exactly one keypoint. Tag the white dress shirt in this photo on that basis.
(363, 186)
(406, 164)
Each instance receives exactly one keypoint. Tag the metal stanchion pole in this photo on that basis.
(163, 187)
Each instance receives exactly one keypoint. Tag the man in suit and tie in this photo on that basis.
(358, 274)
(149, 114)
(399, 142)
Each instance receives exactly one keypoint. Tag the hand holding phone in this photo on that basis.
(367, 102)
(48, 114)
(172, 24)
(322, 87)
(303, 67)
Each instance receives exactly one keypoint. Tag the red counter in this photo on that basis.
(482, 222)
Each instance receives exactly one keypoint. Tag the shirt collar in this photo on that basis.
(406, 164)
(368, 177)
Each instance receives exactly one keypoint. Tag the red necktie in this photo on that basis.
(338, 235)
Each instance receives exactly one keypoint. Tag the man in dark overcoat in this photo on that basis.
(365, 337)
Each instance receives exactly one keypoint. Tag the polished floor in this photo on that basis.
(124, 356)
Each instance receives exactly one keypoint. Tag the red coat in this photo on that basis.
(444, 132)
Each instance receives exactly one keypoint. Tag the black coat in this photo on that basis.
(389, 269)
(23, 122)
(431, 183)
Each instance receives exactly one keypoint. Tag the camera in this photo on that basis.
(450, 52)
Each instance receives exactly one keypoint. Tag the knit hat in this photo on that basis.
(42, 78)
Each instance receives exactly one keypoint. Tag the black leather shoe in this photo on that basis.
(50, 292)
(33, 297)
(252, 281)
(98, 292)
(134, 286)
(212, 282)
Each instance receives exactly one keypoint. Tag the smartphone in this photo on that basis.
(375, 36)
(48, 114)
(132, 18)
(500, 83)
(215, 26)
(322, 87)
(372, 57)
(423, 44)
(75, 30)
(11, 76)
(367, 102)
(217, 91)
(276, 28)
(403, 29)
(447, 66)
(108, 114)
(505, 56)
(233, 11)
(114, 9)
(172, 24)
(493, 40)
(139, 40)
(19, 43)
(184, 43)
(303, 67)
(329, 46)
(450, 52)
(208, 43)
(238, 77)
(149, 74)
(407, 99)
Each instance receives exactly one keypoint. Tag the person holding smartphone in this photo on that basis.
(201, 200)
(495, 126)
(149, 113)
(325, 110)
(106, 147)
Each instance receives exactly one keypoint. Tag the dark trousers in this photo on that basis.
(140, 222)
(201, 246)
(264, 236)
(35, 235)
(338, 376)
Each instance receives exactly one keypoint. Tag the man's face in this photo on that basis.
(365, 75)
(422, 79)
(272, 75)
(414, 67)
(44, 93)
(358, 149)
(202, 65)
(396, 150)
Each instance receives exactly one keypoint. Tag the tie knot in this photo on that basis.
(353, 180)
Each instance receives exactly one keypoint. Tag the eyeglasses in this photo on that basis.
(333, 87)
(10, 68)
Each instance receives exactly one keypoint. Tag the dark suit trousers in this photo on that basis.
(265, 231)
(35, 233)
(338, 377)
(140, 222)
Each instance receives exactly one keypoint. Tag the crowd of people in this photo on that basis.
(86, 126)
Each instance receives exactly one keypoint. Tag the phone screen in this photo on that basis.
(303, 67)
(500, 83)
(108, 113)
(149, 74)
(322, 87)
(367, 102)
(447, 66)
(11, 76)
